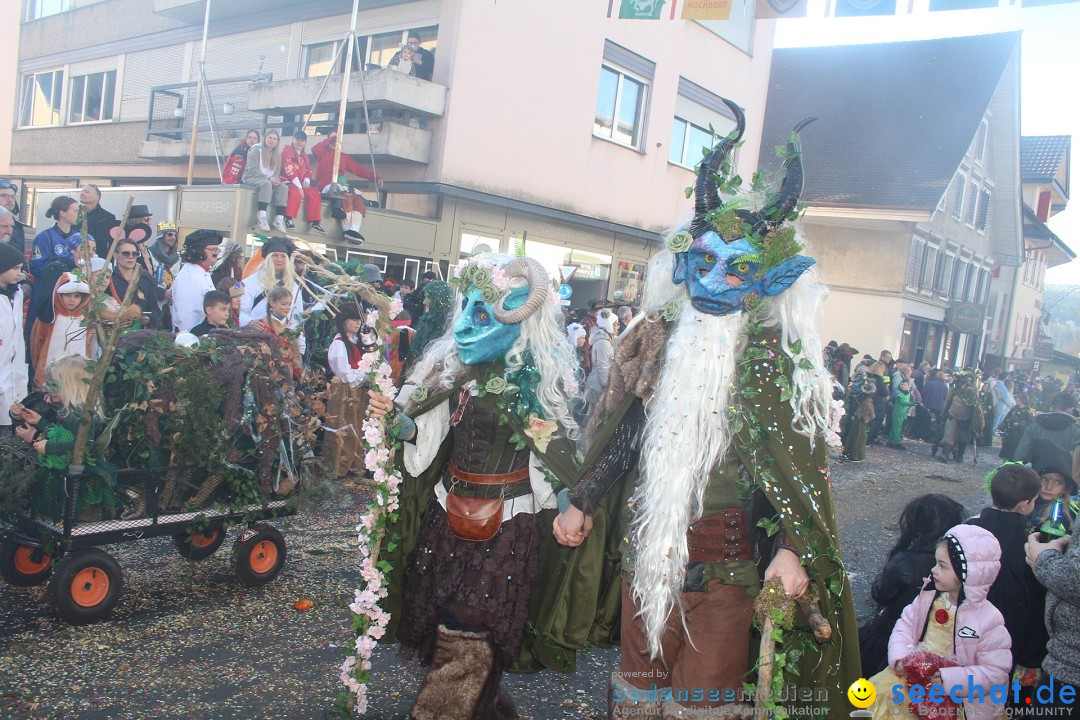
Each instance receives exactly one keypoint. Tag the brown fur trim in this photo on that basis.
(635, 368)
(460, 668)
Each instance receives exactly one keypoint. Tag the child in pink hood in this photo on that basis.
(952, 617)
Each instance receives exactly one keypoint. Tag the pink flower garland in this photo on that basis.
(369, 620)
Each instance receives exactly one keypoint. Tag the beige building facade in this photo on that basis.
(912, 187)
(556, 127)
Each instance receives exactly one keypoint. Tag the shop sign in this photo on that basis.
(966, 318)
(1044, 349)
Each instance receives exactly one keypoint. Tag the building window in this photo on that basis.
(980, 142)
(44, 8)
(969, 283)
(957, 283)
(41, 98)
(942, 273)
(930, 254)
(958, 196)
(319, 58)
(620, 107)
(980, 286)
(689, 143)
(92, 97)
(915, 259)
(983, 215)
(971, 203)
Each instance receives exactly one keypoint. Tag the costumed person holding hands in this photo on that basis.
(488, 428)
(712, 432)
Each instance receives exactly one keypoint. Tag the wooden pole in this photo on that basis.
(198, 99)
(343, 105)
(97, 383)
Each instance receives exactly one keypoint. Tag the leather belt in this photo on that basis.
(722, 537)
(484, 479)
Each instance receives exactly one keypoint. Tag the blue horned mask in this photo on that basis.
(730, 257)
(492, 311)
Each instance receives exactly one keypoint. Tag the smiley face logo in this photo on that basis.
(861, 694)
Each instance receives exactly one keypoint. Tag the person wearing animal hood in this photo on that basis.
(712, 433)
(487, 430)
(66, 332)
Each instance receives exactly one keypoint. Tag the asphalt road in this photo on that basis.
(187, 641)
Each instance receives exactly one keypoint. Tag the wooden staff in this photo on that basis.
(774, 597)
(97, 383)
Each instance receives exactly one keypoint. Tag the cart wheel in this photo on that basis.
(86, 586)
(259, 554)
(23, 565)
(199, 544)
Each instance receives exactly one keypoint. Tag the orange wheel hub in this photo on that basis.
(263, 557)
(90, 587)
(199, 540)
(25, 564)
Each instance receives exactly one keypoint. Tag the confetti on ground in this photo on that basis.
(188, 641)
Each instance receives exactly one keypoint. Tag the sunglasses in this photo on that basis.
(128, 253)
(5, 185)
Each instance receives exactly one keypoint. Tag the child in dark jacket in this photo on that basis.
(1016, 592)
(922, 523)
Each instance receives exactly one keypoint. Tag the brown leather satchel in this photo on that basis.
(476, 519)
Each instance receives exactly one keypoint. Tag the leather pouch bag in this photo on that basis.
(475, 519)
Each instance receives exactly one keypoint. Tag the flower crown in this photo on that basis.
(483, 274)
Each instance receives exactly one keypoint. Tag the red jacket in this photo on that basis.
(295, 165)
(324, 165)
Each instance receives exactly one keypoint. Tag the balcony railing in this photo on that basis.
(385, 89)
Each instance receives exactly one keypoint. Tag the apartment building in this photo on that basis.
(1018, 339)
(912, 186)
(547, 124)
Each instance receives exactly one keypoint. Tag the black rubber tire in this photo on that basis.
(188, 546)
(101, 568)
(248, 550)
(9, 565)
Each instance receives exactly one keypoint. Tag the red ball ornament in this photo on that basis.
(942, 616)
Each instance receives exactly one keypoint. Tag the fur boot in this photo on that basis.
(458, 682)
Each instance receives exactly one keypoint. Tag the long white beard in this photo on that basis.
(687, 433)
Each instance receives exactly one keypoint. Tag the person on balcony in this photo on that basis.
(403, 61)
(423, 62)
(346, 205)
(234, 166)
(262, 172)
(296, 172)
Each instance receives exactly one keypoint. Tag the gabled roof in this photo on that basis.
(1041, 156)
(894, 119)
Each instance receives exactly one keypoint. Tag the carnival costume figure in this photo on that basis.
(964, 417)
(716, 416)
(494, 433)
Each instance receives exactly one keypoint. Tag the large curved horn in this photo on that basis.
(706, 195)
(537, 278)
(786, 199)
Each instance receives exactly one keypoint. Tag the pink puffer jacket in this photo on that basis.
(980, 640)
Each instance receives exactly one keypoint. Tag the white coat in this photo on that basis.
(189, 287)
(14, 378)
